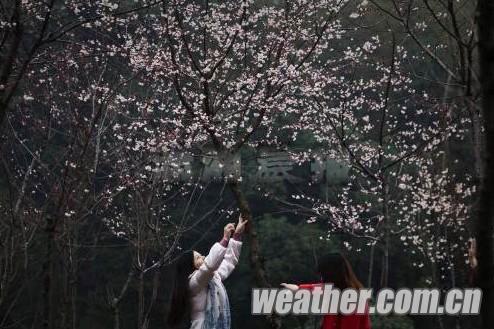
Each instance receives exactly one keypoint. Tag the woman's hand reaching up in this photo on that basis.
(240, 225)
(228, 230)
(290, 286)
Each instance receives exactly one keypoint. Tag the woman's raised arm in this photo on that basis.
(233, 251)
(295, 287)
(212, 262)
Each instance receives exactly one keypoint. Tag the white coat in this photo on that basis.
(218, 265)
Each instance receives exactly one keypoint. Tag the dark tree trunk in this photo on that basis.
(485, 221)
(47, 269)
(255, 258)
(387, 235)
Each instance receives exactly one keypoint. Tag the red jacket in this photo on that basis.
(341, 321)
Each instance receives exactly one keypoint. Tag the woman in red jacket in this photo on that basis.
(335, 269)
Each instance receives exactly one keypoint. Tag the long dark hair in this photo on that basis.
(334, 268)
(180, 301)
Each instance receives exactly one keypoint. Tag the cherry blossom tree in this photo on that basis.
(58, 154)
(227, 72)
(390, 134)
(142, 212)
(32, 32)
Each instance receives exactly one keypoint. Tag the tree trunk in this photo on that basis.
(477, 141)
(47, 269)
(152, 300)
(255, 255)
(435, 283)
(115, 300)
(371, 265)
(116, 317)
(255, 258)
(140, 303)
(73, 279)
(387, 237)
(485, 220)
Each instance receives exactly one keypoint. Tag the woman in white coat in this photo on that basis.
(198, 291)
